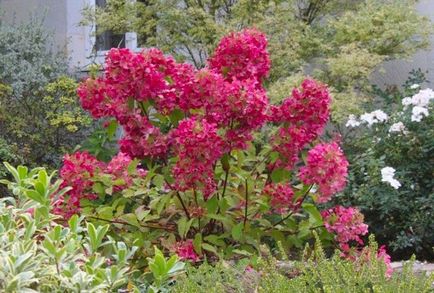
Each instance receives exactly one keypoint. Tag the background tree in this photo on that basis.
(39, 115)
(340, 42)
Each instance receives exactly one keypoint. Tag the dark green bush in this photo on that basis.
(402, 218)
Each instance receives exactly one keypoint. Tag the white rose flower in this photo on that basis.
(397, 127)
(422, 98)
(380, 115)
(387, 174)
(418, 112)
(415, 86)
(368, 118)
(352, 121)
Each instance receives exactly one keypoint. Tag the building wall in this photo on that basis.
(61, 18)
(54, 12)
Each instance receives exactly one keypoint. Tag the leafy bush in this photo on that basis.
(39, 111)
(314, 273)
(41, 252)
(190, 174)
(399, 210)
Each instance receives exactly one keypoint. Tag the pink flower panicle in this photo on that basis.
(304, 116)
(242, 56)
(282, 197)
(385, 257)
(198, 147)
(185, 250)
(118, 168)
(327, 167)
(142, 139)
(80, 170)
(77, 172)
(346, 223)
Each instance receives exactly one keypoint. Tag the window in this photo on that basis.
(108, 39)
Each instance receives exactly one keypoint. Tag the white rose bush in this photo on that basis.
(390, 149)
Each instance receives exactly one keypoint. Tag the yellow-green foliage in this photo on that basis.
(62, 109)
(314, 273)
(39, 111)
(340, 42)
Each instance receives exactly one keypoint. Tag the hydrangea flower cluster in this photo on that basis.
(346, 223)
(185, 250)
(76, 173)
(198, 147)
(282, 197)
(79, 171)
(304, 116)
(327, 167)
(242, 56)
(182, 121)
(385, 257)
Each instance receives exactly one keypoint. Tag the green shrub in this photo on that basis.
(401, 218)
(39, 111)
(40, 252)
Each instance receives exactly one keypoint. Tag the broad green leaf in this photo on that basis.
(210, 248)
(280, 175)
(237, 231)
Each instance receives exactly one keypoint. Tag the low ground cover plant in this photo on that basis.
(313, 273)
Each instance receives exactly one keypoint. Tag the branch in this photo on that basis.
(246, 205)
(128, 224)
(291, 212)
(183, 205)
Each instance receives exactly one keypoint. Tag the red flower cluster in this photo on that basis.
(327, 167)
(118, 168)
(79, 172)
(198, 147)
(304, 115)
(242, 56)
(185, 250)
(282, 197)
(346, 223)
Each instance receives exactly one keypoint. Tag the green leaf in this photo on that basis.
(141, 212)
(314, 215)
(22, 172)
(13, 171)
(210, 248)
(43, 178)
(197, 243)
(280, 175)
(237, 231)
(212, 205)
(36, 196)
(176, 116)
(184, 226)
